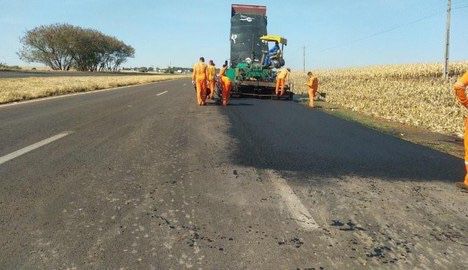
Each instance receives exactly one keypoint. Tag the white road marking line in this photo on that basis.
(32, 147)
(162, 93)
(297, 210)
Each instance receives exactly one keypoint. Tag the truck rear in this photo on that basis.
(250, 77)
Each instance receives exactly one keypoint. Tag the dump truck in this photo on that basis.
(250, 71)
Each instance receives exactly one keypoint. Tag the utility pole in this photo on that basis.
(447, 40)
(303, 58)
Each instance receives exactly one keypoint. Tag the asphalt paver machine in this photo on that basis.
(249, 71)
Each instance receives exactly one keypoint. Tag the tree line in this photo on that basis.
(64, 46)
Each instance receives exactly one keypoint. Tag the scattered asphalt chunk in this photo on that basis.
(295, 242)
(352, 227)
(348, 226)
(337, 223)
(378, 252)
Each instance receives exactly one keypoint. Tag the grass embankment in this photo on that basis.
(410, 94)
(19, 89)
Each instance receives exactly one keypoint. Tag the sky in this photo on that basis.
(335, 33)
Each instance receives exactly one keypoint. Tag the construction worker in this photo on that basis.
(312, 85)
(199, 77)
(460, 88)
(211, 70)
(281, 78)
(271, 53)
(226, 84)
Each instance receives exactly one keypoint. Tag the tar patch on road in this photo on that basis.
(349, 226)
(295, 242)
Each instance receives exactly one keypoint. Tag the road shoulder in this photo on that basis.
(452, 145)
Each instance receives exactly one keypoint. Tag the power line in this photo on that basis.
(454, 3)
(460, 7)
(459, 4)
(383, 31)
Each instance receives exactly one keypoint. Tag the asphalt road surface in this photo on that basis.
(142, 177)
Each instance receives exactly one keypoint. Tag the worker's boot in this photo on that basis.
(463, 185)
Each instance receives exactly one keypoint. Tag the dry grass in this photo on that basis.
(411, 94)
(18, 89)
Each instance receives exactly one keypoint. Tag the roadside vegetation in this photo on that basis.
(19, 89)
(5, 67)
(65, 47)
(413, 94)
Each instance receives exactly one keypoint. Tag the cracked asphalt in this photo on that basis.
(148, 181)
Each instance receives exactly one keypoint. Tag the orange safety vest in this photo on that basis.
(283, 74)
(460, 87)
(313, 83)
(199, 71)
(222, 71)
(211, 70)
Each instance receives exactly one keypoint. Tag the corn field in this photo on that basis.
(414, 94)
(18, 89)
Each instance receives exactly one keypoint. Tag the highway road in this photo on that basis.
(142, 177)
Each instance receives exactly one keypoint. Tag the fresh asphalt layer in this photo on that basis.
(142, 177)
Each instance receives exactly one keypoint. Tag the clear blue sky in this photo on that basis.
(336, 33)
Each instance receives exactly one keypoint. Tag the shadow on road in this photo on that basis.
(239, 104)
(286, 136)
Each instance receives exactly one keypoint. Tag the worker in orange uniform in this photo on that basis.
(281, 78)
(460, 88)
(312, 85)
(226, 84)
(199, 77)
(211, 69)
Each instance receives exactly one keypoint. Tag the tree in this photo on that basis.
(86, 49)
(122, 53)
(170, 70)
(61, 46)
(48, 45)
